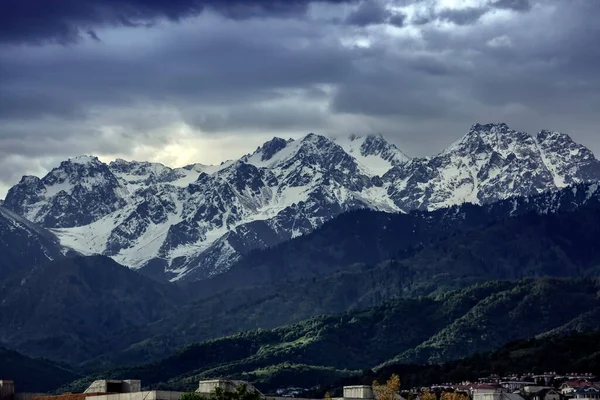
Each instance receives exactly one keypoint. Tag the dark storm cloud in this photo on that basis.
(93, 35)
(398, 20)
(194, 70)
(370, 12)
(42, 21)
(516, 5)
(465, 16)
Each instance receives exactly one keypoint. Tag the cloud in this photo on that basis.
(370, 12)
(500, 41)
(463, 16)
(398, 20)
(515, 5)
(42, 21)
(93, 35)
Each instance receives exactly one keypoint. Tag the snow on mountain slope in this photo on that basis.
(194, 222)
(374, 154)
(569, 162)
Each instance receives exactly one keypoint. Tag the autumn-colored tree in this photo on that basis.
(388, 391)
(427, 395)
(453, 396)
(327, 396)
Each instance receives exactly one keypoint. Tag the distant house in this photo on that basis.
(545, 379)
(545, 394)
(487, 388)
(514, 385)
(569, 388)
(587, 393)
(498, 394)
(490, 379)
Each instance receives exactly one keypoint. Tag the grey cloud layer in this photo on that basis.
(41, 21)
(370, 67)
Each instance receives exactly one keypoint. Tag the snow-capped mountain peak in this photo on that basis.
(491, 162)
(194, 222)
(79, 191)
(375, 155)
(488, 138)
(85, 160)
(271, 147)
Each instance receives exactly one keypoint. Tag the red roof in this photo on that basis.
(579, 383)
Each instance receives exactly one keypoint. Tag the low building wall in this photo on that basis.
(147, 395)
(68, 396)
(28, 396)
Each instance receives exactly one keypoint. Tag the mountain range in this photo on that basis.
(196, 222)
(355, 261)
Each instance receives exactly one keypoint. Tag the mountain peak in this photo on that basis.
(485, 138)
(498, 127)
(546, 134)
(268, 149)
(30, 180)
(313, 137)
(84, 159)
(373, 136)
(373, 152)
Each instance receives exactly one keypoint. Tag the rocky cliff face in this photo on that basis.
(194, 222)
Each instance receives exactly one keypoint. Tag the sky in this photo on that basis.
(184, 81)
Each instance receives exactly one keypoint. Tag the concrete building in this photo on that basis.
(7, 389)
(115, 386)
(358, 392)
(7, 392)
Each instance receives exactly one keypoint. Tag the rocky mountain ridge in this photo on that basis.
(195, 222)
(25, 244)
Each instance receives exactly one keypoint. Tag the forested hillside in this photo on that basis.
(414, 330)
